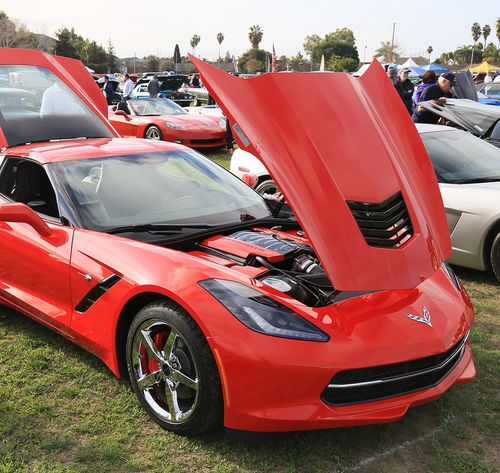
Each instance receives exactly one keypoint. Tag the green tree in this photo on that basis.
(299, 63)
(340, 64)
(8, 31)
(255, 36)
(153, 62)
(331, 47)
(195, 40)
(498, 31)
(112, 65)
(228, 58)
(342, 34)
(491, 53)
(311, 42)
(220, 38)
(253, 60)
(65, 44)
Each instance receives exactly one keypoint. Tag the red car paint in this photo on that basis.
(269, 383)
(201, 131)
(355, 144)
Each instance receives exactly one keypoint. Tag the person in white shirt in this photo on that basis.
(128, 87)
(488, 79)
(58, 101)
(497, 78)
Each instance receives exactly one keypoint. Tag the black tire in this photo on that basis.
(267, 186)
(153, 133)
(495, 257)
(198, 403)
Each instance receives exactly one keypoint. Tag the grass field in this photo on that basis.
(62, 410)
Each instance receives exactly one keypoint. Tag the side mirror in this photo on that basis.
(122, 114)
(250, 179)
(113, 108)
(21, 213)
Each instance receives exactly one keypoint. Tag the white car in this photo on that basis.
(206, 110)
(468, 171)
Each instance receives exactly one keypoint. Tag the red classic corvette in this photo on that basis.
(162, 119)
(218, 308)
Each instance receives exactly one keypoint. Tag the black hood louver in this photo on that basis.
(386, 224)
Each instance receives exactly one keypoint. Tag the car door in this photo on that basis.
(124, 124)
(34, 269)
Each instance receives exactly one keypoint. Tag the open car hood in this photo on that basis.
(350, 162)
(474, 117)
(464, 86)
(173, 82)
(26, 124)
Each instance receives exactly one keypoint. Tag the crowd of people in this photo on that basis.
(432, 87)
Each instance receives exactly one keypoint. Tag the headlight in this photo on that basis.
(175, 126)
(453, 277)
(261, 313)
(223, 123)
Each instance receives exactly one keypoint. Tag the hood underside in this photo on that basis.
(349, 160)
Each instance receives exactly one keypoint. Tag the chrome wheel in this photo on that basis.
(165, 371)
(153, 133)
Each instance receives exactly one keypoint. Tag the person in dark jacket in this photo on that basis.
(109, 90)
(404, 87)
(439, 92)
(428, 79)
(154, 87)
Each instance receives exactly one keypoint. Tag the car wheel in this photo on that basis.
(267, 186)
(172, 369)
(495, 257)
(153, 133)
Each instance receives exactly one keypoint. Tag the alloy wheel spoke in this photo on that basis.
(171, 343)
(184, 379)
(148, 380)
(173, 405)
(150, 346)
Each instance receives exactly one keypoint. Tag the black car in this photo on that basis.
(169, 89)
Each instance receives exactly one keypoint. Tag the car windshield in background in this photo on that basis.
(461, 157)
(491, 90)
(178, 187)
(480, 116)
(155, 107)
(36, 106)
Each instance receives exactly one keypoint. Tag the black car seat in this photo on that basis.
(33, 188)
(123, 107)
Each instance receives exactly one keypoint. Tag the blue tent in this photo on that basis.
(435, 67)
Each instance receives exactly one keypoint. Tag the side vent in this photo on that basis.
(386, 224)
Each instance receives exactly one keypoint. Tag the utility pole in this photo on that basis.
(392, 41)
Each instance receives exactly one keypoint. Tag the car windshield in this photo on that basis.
(36, 106)
(178, 187)
(480, 116)
(459, 156)
(155, 107)
(491, 90)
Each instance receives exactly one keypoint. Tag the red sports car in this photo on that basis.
(162, 119)
(218, 308)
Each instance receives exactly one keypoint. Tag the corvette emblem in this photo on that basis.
(426, 319)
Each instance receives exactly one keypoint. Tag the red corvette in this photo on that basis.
(219, 309)
(162, 119)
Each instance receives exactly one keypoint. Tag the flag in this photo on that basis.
(274, 64)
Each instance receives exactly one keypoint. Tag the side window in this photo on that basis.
(27, 182)
(495, 133)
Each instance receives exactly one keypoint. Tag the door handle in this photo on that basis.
(87, 276)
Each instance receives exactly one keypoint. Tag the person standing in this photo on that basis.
(405, 88)
(392, 73)
(428, 79)
(109, 90)
(154, 87)
(128, 87)
(439, 92)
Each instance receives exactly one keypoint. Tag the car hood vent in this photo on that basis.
(386, 224)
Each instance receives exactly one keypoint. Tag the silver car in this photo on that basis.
(468, 171)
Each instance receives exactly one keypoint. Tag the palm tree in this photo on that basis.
(387, 51)
(255, 36)
(476, 34)
(195, 41)
(220, 38)
(429, 51)
(498, 31)
(486, 33)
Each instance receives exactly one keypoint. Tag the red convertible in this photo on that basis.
(218, 308)
(162, 119)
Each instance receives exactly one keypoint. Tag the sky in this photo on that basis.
(154, 26)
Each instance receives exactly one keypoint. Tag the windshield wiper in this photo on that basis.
(156, 228)
(476, 180)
